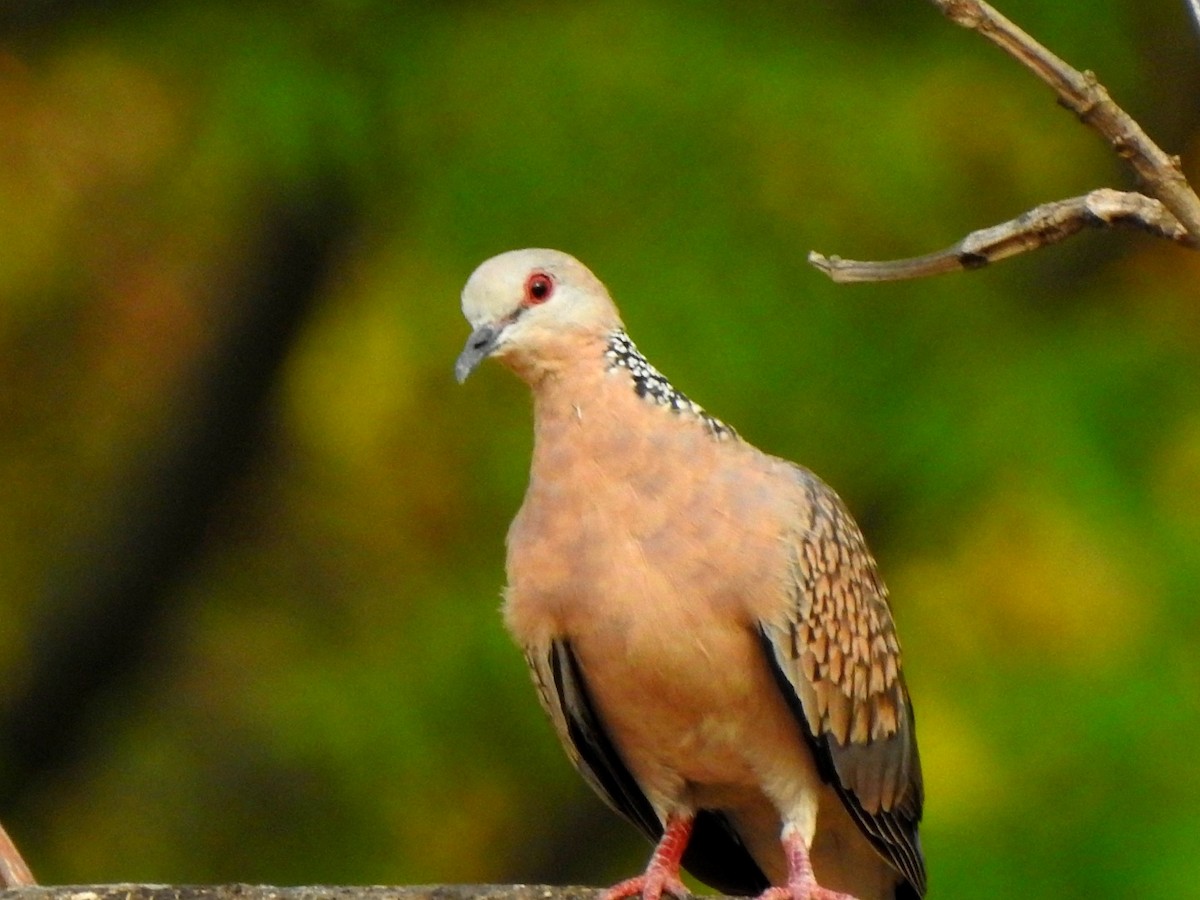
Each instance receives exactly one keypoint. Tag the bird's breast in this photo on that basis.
(651, 567)
(636, 516)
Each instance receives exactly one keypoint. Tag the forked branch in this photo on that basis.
(1167, 206)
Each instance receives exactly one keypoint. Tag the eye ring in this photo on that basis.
(539, 287)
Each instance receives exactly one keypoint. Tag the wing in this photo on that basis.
(715, 854)
(835, 656)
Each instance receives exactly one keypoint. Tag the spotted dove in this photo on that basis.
(704, 623)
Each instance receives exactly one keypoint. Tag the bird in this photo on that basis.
(704, 623)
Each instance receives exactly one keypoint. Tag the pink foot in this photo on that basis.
(662, 875)
(808, 891)
(650, 886)
(801, 883)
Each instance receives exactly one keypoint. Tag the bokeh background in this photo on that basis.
(251, 532)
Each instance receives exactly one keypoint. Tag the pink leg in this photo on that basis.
(801, 883)
(662, 875)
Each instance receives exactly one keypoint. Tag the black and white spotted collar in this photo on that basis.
(651, 385)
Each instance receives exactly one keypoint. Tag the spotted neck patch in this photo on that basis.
(651, 385)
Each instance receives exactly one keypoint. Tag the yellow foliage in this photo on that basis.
(1177, 478)
(350, 381)
(963, 772)
(1030, 576)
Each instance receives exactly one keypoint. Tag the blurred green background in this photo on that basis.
(251, 532)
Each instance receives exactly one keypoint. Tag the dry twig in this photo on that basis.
(1040, 226)
(314, 892)
(13, 871)
(1172, 209)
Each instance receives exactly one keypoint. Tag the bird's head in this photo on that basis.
(530, 308)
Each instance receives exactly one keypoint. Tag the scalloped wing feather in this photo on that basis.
(836, 657)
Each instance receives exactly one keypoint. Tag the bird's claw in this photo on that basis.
(808, 890)
(651, 886)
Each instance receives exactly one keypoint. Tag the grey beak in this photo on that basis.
(481, 343)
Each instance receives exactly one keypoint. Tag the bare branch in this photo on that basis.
(13, 871)
(315, 892)
(1160, 173)
(1042, 225)
(1175, 214)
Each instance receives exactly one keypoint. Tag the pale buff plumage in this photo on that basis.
(704, 622)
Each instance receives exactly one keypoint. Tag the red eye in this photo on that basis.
(538, 288)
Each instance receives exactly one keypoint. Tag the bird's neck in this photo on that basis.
(610, 425)
(608, 381)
